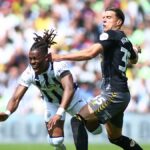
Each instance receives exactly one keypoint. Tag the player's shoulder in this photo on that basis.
(61, 64)
(111, 35)
(27, 76)
(28, 71)
(60, 67)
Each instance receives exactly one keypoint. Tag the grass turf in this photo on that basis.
(69, 147)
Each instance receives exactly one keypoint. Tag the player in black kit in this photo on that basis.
(108, 107)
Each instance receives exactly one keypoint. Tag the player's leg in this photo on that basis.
(78, 127)
(79, 133)
(115, 136)
(56, 134)
(115, 123)
(93, 124)
(78, 123)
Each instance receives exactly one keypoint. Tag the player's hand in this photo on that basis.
(137, 48)
(53, 121)
(3, 116)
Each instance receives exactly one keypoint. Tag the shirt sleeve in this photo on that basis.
(106, 40)
(133, 53)
(61, 69)
(26, 77)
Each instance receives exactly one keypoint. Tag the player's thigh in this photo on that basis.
(78, 102)
(87, 113)
(77, 107)
(113, 131)
(83, 109)
(109, 104)
(91, 121)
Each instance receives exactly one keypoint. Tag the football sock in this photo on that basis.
(126, 143)
(79, 133)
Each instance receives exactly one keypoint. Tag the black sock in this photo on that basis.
(79, 133)
(126, 143)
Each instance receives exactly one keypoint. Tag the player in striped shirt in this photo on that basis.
(59, 90)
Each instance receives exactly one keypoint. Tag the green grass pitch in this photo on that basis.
(69, 147)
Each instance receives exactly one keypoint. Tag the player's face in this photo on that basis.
(38, 61)
(110, 21)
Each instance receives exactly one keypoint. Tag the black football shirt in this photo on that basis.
(117, 51)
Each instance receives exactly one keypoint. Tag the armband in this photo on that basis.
(60, 111)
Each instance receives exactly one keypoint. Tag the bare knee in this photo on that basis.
(57, 130)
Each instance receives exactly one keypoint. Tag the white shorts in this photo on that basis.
(75, 106)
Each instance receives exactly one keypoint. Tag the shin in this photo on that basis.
(79, 133)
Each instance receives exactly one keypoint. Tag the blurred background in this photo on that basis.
(78, 25)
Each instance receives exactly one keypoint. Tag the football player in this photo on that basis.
(109, 106)
(59, 91)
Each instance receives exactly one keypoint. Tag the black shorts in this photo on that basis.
(110, 106)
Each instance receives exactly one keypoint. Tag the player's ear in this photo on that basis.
(119, 22)
(48, 57)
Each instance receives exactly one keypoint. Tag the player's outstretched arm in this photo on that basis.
(68, 86)
(84, 54)
(13, 102)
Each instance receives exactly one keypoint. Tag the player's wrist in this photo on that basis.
(60, 111)
(8, 112)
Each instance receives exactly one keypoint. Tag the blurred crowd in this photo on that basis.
(78, 25)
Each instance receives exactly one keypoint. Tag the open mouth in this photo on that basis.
(35, 68)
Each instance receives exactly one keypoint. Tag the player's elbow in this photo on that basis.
(134, 61)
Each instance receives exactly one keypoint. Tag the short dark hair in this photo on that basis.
(44, 42)
(119, 13)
